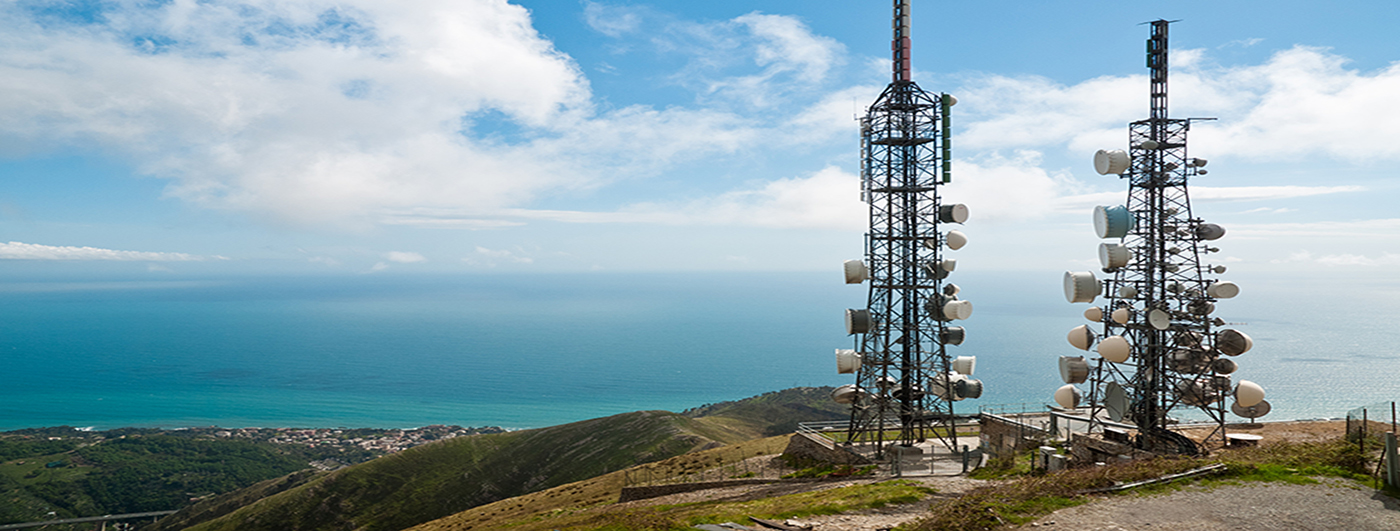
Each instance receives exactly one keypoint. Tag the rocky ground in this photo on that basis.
(1328, 505)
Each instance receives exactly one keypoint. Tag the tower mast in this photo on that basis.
(905, 380)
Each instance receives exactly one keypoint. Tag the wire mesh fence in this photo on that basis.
(1369, 420)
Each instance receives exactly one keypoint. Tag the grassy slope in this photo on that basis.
(585, 497)
(431, 481)
(436, 480)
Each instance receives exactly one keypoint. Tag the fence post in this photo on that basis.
(1392, 462)
(1364, 420)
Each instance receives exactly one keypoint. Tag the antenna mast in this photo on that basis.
(905, 379)
(1160, 350)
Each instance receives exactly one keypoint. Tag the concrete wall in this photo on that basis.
(1004, 436)
(818, 448)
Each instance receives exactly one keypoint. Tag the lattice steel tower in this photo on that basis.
(905, 379)
(1160, 349)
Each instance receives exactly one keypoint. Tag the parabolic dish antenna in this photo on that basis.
(1115, 401)
(1081, 286)
(1114, 221)
(1159, 319)
(1111, 162)
(1073, 369)
(1253, 412)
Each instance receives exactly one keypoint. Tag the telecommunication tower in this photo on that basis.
(1160, 350)
(905, 380)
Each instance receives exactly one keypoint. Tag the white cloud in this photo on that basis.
(270, 108)
(1370, 230)
(828, 199)
(1302, 102)
(611, 20)
(32, 251)
(491, 257)
(1219, 194)
(1341, 260)
(999, 189)
(401, 257)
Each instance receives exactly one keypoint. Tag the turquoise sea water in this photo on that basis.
(533, 350)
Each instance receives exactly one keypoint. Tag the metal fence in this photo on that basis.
(1371, 420)
(1375, 427)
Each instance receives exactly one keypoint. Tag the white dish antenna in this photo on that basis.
(965, 364)
(955, 239)
(1113, 221)
(1209, 231)
(847, 361)
(1114, 256)
(1252, 412)
(1081, 286)
(957, 310)
(1121, 315)
(1233, 342)
(1159, 319)
(1248, 394)
(856, 271)
(1094, 314)
(1068, 396)
(953, 213)
(1081, 337)
(1127, 292)
(1223, 290)
(1073, 369)
(1111, 162)
(1115, 349)
(845, 394)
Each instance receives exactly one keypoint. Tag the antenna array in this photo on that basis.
(1161, 349)
(905, 379)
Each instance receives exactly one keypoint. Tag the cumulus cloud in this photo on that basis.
(316, 111)
(1302, 102)
(32, 251)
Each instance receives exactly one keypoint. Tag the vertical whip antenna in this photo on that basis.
(901, 44)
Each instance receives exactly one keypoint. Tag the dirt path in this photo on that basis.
(1329, 505)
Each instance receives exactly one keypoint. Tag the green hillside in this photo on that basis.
(432, 481)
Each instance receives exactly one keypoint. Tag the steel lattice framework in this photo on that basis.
(1161, 299)
(904, 381)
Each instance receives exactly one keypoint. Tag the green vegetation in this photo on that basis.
(687, 515)
(1033, 494)
(439, 479)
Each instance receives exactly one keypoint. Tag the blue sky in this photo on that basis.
(190, 138)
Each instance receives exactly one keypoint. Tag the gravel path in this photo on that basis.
(1329, 505)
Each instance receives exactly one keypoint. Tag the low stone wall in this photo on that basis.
(655, 491)
(1003, 436)
(1087, 449)
(818, 448)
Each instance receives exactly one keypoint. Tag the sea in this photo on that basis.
(530, 350)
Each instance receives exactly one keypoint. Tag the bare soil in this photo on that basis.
(1328, 505)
